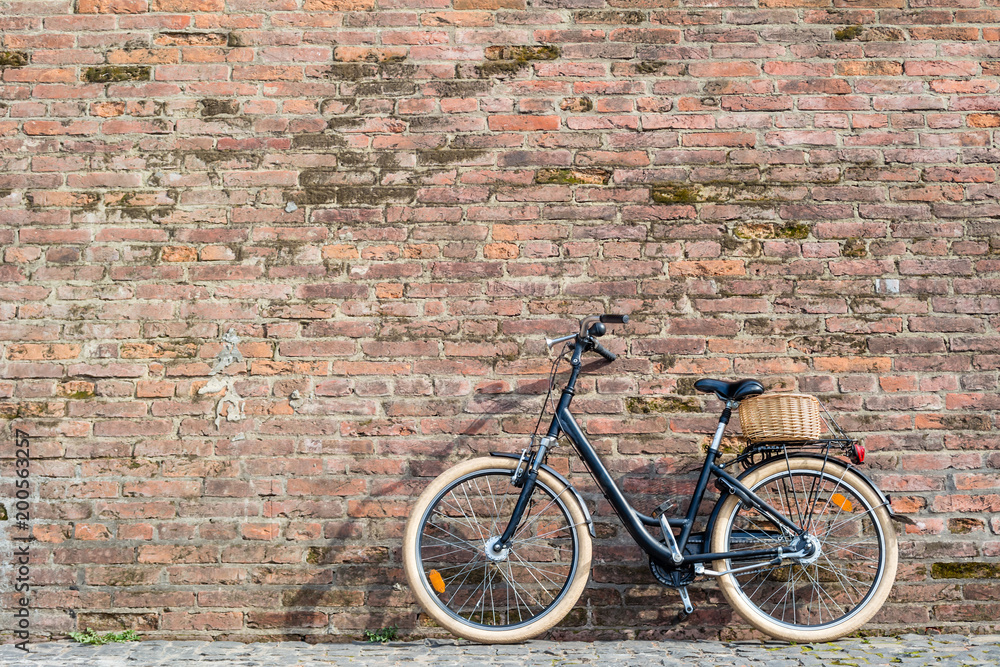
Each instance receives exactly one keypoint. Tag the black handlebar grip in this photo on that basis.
(614, 319)
(600, 349)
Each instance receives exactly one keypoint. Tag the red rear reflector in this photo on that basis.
(859, 452)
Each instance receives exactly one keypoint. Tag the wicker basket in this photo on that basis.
(781, 417)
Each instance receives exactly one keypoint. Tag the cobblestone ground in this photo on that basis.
(907, 650)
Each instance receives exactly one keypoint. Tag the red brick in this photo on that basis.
(733, 139)
(112, 6)
(187, 5)
(203, 620)
(523, 123)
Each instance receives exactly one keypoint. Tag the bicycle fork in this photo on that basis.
(526, 476)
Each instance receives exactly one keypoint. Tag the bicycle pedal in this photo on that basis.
(663, 507)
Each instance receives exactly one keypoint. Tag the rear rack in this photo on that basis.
(851, 448)
(753, 453)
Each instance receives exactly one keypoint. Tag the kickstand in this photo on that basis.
(686, 599)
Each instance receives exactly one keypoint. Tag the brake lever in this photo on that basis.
(562, 339)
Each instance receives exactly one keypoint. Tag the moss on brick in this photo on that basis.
(576, 104)
(641, 405)
(965, 570)
(312, 196)
(848, 33)
(509, 60)
(547, 52)
(490, 70)
(675, 193)
(115, 73)
(573, 176)
(794, 230)
(318, 141)
(609, 17)
(449, 156)
(965, 525)
(869, 34)
(770, 230)
(219, 107)
(351, 71)
(685, 386)
(81, 394)
(854, 247)
(13, 59)
(649, 67)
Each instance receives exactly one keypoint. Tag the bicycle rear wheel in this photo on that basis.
(834, 591)
(479, 595)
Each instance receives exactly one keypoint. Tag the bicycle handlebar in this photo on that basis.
(601, 350)
(585, 324)
(585, 334)
(604, 319)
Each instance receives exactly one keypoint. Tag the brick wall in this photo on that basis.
(269, 265)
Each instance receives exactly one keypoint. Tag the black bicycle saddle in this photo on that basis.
(730, 391)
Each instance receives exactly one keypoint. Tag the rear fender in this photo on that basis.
(885, 500)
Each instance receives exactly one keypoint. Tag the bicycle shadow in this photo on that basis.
(360, 584)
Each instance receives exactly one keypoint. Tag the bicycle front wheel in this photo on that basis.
(478, 594)
(846, 579)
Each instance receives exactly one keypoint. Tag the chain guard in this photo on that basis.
(672, 578)
(682, 576)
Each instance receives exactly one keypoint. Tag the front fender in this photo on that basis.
(548, 469)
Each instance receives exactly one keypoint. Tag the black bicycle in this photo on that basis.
(498, 549)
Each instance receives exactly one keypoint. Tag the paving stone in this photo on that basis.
(904, 651)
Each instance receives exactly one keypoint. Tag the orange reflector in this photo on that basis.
(842, 502)
(436, 581)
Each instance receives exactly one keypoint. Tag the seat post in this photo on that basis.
(721, 429)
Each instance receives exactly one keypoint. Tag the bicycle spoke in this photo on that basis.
(527, 593)
(829, 498)
(540, 570)
(452, 544)
(842, 581)
(794, 604)
(820, 591)
(448, 553)
(472, 509)
(847, 521)
(472, 567)
(535, 518)
(496, 510)
(529, 570)
(467, 522)
(473, 546)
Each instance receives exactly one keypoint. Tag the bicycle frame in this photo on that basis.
(635, 522)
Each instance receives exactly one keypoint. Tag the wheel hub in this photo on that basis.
(496, 556)
(813, 546)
